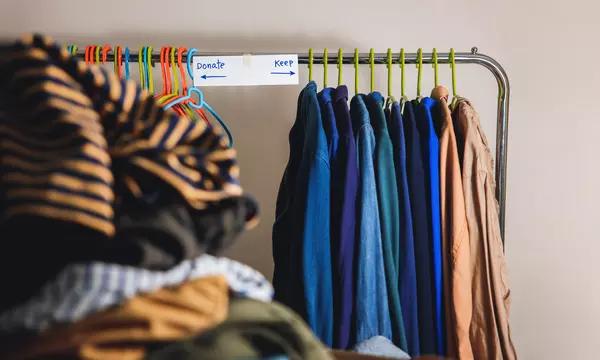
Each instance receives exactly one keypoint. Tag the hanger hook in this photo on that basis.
(174, 72)
(434, 58)
(116, 67)
(419, 68)
(73, 49)
(372, 67)
(97, 54)
(141, 67)
(310, 64)
(355, 70)
(190, 54)
(105, 49)
(149, 64)
(340, 65)
(325, 63)
(126, 63)
(453, 69)
(402, 63)
(180, 52)
(389, 72)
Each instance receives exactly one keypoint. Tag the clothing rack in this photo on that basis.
(472, 57)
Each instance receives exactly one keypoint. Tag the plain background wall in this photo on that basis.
(548, 48)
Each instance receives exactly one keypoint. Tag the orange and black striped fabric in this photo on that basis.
(74, 140)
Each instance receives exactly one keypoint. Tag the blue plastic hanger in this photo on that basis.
(201, 103)
(127, 63)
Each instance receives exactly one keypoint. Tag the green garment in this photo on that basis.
(252, 330)
(389, 213)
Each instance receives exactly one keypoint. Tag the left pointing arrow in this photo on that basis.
(212, 76)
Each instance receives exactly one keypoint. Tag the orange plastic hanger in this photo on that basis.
(105, 49)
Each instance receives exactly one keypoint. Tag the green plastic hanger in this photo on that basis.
(419, 71)
(372, 68)
(340, 65)
(389, 72)
(355, 71)
(455, 96)
(310, 64)
(434, 58)
(325, 63)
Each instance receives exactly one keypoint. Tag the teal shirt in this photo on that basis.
(389, 212)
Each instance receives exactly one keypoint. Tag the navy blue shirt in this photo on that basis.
(421, 229)
(309, 289)
(407, 280)
(344, 190)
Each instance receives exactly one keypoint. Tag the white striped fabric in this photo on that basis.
(83, 289)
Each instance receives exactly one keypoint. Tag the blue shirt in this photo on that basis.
(431, 157)
(421, 229)
(344, 191)
(371, 306)
(309, 285)
(407, 278)
(389, 217)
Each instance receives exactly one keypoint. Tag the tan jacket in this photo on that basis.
(455, 238)
(489, 330)
(121, 332)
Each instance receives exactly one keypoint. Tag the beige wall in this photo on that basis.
(549, 49)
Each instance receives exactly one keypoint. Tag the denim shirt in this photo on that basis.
(407, 278)
(371, 308)
(309, 287)
(389, 217)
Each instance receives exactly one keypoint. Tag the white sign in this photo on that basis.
(245, 70)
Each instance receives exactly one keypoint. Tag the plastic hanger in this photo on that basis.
(180, 52)
(419, 71)
(372, 68)
(201, 103)
(325, 63)
(403, 97)
(149, 69)
(141, 68)
(389, 72)
(97, 55)
(434, 65)
(455, 96)
(389, 61)
(127, 63)
(355, 71)
(310, 64)
(118, 62)
(340, 65)
(86, 57)
(173, 70)
(105, 49)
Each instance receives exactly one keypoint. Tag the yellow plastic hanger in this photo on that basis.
(355, 71)
(455, 96)
(325, 63)
(150, 76)
(340, 65)
(310, 64)
(419, 71)
(434, 58)
(372, 68)
(141, 68)
(389, 72)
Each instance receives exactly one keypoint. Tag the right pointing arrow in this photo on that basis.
(290, 73)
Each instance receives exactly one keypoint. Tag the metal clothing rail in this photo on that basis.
(472, 57)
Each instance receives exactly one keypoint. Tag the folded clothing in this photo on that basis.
(252, 330)
(121, 332)
(83, 289)
(81, 152)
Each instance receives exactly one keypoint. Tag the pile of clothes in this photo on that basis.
(112, 212)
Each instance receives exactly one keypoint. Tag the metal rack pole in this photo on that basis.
(472, 57)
